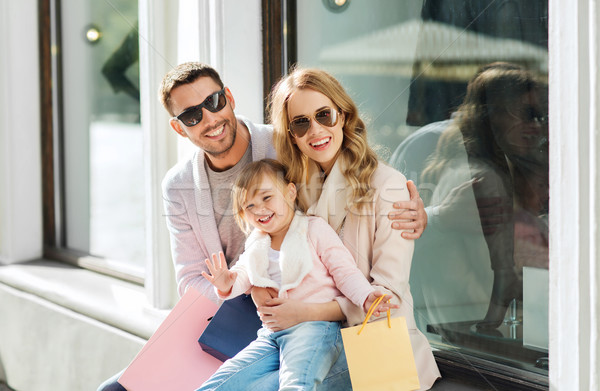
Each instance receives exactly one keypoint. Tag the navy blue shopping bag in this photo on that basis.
(232, 328)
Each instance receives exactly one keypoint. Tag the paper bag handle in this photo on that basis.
(370, 313)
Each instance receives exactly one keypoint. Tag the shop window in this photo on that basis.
(93, 158)
(455, 96)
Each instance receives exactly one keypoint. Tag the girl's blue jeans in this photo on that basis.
(338, 379)
(302, 356)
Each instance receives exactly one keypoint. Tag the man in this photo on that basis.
(197, 192)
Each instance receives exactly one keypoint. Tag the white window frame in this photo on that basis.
(574, 316)
(199, 30)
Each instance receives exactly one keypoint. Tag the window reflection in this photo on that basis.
(487, 185)
(456, 93)
(103, 142)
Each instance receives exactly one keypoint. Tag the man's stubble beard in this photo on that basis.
(221, 153)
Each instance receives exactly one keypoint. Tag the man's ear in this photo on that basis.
(229, 96)
(176, 125)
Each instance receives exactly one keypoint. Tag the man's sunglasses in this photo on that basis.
(326, 116)
(213, 103)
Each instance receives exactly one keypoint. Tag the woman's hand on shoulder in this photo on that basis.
(410, 215)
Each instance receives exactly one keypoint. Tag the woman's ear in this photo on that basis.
(176, 125)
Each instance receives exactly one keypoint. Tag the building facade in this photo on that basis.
(505, 280)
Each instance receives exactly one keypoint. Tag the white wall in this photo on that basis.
(227, 35)
(20, 162)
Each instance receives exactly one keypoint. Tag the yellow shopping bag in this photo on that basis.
(379, 355)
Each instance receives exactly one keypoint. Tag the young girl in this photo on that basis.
(299, 256)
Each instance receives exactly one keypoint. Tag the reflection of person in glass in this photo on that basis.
(115, 67)
(502, 125)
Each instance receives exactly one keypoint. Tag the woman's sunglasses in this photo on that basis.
(326, 116)
(193, 115)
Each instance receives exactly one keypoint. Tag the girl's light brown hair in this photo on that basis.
(358, 160)
(247, 184)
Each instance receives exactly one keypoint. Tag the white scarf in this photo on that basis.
(295, 259)
(330, 199)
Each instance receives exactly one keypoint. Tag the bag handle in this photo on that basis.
(370, 312)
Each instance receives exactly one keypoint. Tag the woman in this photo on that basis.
(323, 143)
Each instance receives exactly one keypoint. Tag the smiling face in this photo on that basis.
(320, 143)
(270, 208)
(216, 132)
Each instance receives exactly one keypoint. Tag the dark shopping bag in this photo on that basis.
(232, 328)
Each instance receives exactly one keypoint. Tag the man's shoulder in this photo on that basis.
(262, 139)
(180, 175)
(260, 133)
(254, 127)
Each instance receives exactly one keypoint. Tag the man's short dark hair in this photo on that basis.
(182, 74)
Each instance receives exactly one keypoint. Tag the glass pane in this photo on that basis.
(103, 162)
(475, 144)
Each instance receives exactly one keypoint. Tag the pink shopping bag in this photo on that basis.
(172, 359)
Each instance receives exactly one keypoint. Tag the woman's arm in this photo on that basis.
(386, 260)
(280, 314)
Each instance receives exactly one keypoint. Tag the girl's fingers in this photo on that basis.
(216, 262)
(207, 276)
(223, 262)
(209, 264)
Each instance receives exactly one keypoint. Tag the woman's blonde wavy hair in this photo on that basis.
(358, 160)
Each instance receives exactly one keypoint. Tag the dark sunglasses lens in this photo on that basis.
(191, 117)
(215, 102)
(326, 117)
(299, 126)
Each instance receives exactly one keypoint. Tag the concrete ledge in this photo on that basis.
(65, 328)
(112, 301)
(46, 347)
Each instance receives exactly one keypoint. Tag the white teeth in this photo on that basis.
(319, 143)
(217, 132)
(265, 218)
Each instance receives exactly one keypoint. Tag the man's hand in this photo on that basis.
(220, 276)
(411, 214)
